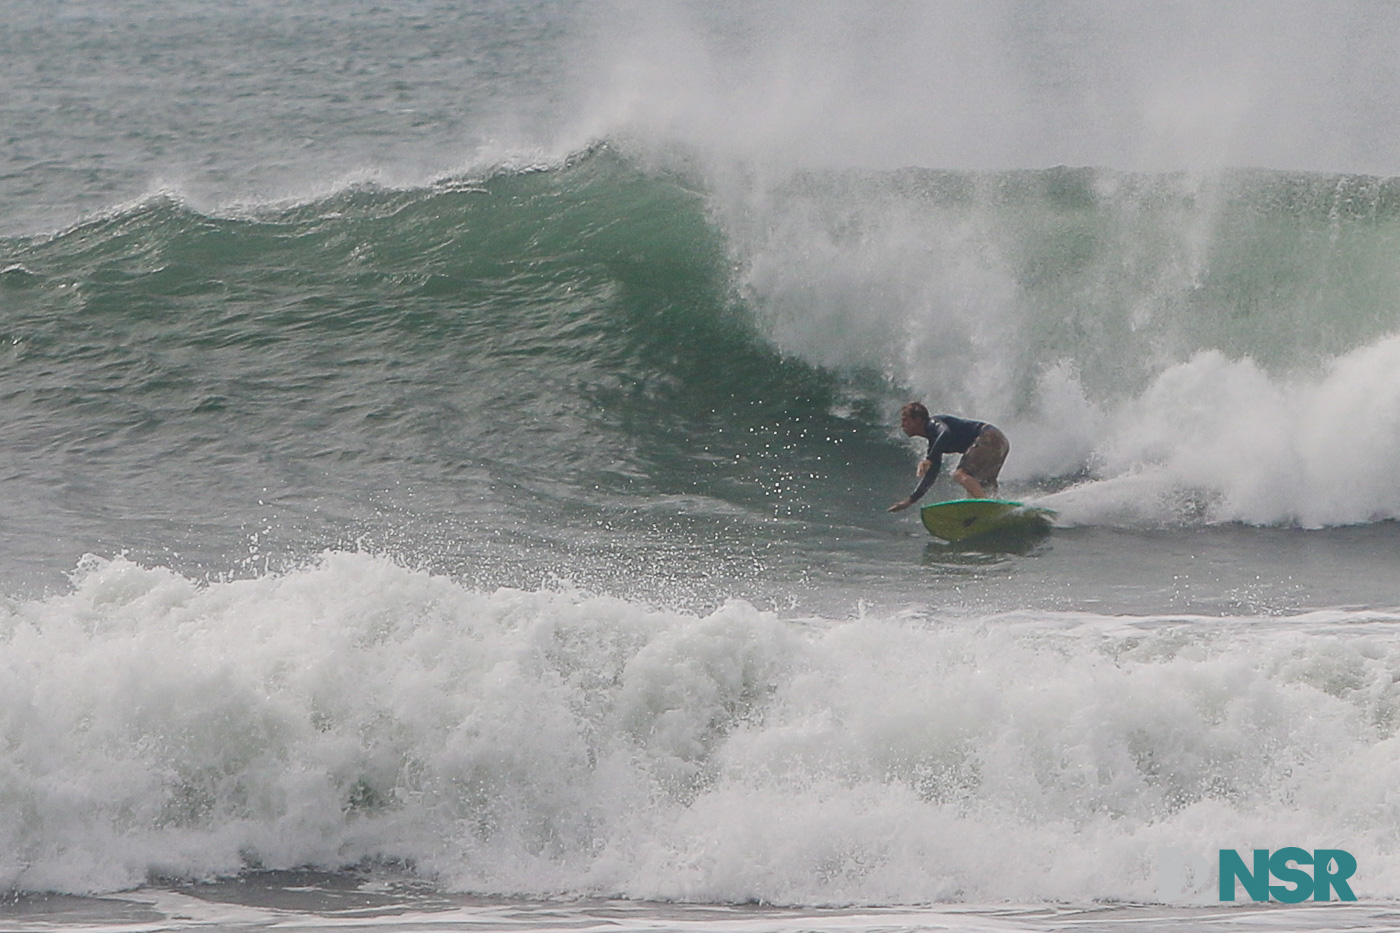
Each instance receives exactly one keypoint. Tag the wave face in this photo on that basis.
(583, 341)
(552, 743)
(545, 350)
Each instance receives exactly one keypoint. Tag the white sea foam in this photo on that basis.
(1222, 438)
(543, 742)
(1098, 335)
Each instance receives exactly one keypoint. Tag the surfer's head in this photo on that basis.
(913, 418)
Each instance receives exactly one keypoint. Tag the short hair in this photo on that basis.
(916, 409)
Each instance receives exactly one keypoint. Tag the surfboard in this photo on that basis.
(959, 519)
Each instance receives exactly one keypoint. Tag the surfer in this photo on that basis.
(983, 448)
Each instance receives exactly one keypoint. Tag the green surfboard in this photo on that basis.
(960, 519)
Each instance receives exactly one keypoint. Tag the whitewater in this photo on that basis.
(447, 451)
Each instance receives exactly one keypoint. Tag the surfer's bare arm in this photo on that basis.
(928, 472)
(931, 463)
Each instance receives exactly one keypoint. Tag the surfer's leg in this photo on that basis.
(969, 483)
(979, 468)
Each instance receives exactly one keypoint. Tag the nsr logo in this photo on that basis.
(1183, 876)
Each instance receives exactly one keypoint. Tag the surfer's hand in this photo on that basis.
(900, 506)
(923, 467)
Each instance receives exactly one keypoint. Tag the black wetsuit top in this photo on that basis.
(947, 435)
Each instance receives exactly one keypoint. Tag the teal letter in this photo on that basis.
(1324, 880)
(1232, 868)
(1302, 881)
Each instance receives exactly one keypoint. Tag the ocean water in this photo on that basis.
(447, 448)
